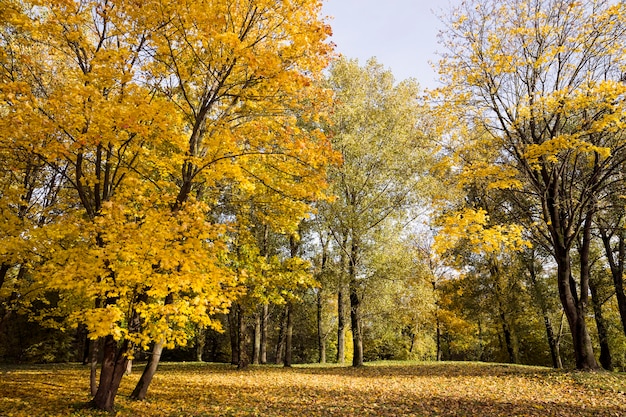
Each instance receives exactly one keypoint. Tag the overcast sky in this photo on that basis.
(401, 34)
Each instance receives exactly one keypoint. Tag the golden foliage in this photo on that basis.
(377, 389)
(147, 111)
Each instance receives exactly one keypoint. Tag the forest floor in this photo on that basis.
(377, 389)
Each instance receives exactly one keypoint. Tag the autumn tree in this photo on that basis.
(143, 108)
(543, 79)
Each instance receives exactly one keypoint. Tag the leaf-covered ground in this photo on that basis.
(378, 389)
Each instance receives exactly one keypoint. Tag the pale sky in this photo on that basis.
(401, 34)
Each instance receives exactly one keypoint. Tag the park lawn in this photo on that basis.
(377, 389)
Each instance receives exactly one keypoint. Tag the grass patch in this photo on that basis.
(377, 389)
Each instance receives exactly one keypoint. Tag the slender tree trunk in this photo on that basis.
(540, 299)
(341, 325)
(264, 318)
(321, 340)
(355, 321)
(93, 365)
(342, 297)
(554, 348)
(481, 342)
(141, 389)
(355, 307)
(289, 336)
(233, 330)
(200, 343)
(437, 321)
(557, 342)
(603, 334)
(256, 343)
(507, 338)
(616, 263)
(264, 325)
(85, 344)
(280, 344)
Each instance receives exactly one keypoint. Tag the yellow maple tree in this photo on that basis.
(146, 109)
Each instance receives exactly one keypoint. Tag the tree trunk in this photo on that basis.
(575, 314)
(111, 373)
(93, 365)
(200, 343)
(603, 334)
(289, 336)
(280, 344)
(541, 302)
(4, 269)
(616, 263)
(342, 294)
(141, 389)
(437, 321)
(264, 321)
(554, 348)
(242, 338)
(233, 330)
(355, 321)
(256, 344)
(82, 335)
(341, 325)
(355, 305)
(321, 340)
(508, 340)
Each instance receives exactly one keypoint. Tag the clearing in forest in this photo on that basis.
(377, 389)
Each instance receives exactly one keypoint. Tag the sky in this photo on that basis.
(401, 34)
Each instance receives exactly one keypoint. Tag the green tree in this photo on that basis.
(376, 128)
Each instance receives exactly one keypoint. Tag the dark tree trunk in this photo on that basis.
(616, 263)
(508, 340)
(355, 307)
(603, 334)
(289, 336)
(552, 342)
(4, 269)
(573, 305)
(82, 335)
(242, 338)
(233, 330)
(355, 321)
(264, 326)
(111, 373)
